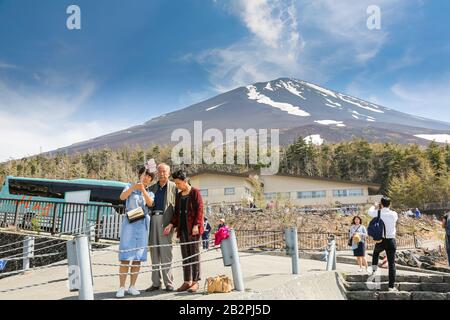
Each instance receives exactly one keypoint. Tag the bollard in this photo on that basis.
(292, 247)
(236, 266)
(331, 260)
(86, 290)
(28, 252)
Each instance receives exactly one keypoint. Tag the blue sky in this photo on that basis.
(135, 60)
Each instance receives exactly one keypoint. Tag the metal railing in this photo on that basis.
(60, 217)
(260, 239)
(63, 217)
(313, 241)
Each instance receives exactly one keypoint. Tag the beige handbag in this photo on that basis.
(135, 214)
(218, 284)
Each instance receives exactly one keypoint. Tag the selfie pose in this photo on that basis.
(135, 230)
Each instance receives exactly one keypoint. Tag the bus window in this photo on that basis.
(29, 188)
(107, 194)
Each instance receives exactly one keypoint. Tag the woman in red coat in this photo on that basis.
(188, 221)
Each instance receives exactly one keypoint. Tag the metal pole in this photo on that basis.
(334, 254)
(97, 225)
(294, 252)
(54, 219)
(28, 248)
(16, 214)
(72, 264)
(331, 254)
(84, 262)
(236, 266)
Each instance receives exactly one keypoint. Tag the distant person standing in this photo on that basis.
(387, 243)
(221, 223)
(446, 226)
(417, 213)
(207, 230)
(358, 234)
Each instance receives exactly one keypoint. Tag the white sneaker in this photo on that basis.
(120, 293)
(393, 289)
(360, 270)
(133, 291)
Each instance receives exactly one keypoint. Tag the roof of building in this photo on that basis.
(247, 174)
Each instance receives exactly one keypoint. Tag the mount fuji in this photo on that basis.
(295, 107)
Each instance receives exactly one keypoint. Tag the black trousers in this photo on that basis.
(390, 246)
(447, 245)
(191, 271)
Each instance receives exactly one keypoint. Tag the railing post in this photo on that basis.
(97, 225)
(236, 265)
(274, 240)
(28, 252)
(331, 257)
(16, 214)
(292, 247)
(54, 219)
(84, 263)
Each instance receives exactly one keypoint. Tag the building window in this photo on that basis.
(348, 193)
(204, 192)
(311, 194)
(247, 190)
(229, 191)
(355, 192)
(340, 193)
(284, 195)
(270, 195)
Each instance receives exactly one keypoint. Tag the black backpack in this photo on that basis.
(376, 228)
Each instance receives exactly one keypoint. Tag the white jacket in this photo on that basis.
(389, 218)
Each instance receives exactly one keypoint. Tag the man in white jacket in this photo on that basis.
(388, 243)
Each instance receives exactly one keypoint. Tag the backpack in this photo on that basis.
(376, 228)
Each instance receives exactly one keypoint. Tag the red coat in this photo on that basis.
(194, 212)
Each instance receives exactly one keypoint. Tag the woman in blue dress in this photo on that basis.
(134, 235)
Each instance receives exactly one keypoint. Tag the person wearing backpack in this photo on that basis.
(446, 226)
(382, 229)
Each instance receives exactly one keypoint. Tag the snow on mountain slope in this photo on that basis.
(294, 106)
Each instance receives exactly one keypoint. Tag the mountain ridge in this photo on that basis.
(285, 103)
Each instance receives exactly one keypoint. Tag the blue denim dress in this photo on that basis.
(135, 235)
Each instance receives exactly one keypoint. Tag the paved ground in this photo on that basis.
(265, 277)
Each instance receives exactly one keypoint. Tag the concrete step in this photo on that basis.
(348, 277)
(401, 295)
(410, 286)
(401, 286)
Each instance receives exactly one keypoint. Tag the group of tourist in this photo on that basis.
(168, 206)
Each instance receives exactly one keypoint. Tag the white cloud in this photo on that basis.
(4, 65)
(308, 39)
(31, 120)
(271, 50)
